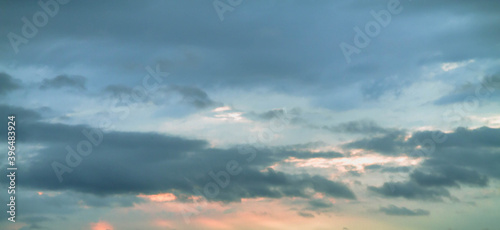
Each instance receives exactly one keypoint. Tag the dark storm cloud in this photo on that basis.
(360, 126)
(134, 162)
(393, 210)
(7, 84)
(61, 81)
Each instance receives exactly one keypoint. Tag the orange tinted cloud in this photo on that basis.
(101, 225)
(162, 197)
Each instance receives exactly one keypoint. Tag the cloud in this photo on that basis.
(307, 154)
(254, 50)
(374, 89)
(319, 204)
(195, 96)
(388, 169)
(449, 175)
(482, 137)
(467, 156)
(373, 167)
(305, 214)
(358, 127)
(389, 144)
(151, 163)
(487, 89)
(275, 113)
(164, 95)
(231, 55)
(462, 157)
(423, 143)
(7, 84)
(20, 113)
(64, 81)
(41, 209)
(393, 210)
(410, 190)
(118, 90)
(398, 169)
(34, 222)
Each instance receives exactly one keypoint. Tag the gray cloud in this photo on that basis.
(388, 169)
(393, 210)
(449, 175)
(358, 127)
(118, 90)
(263, 51)
(398, 169)
(61, 81)
(462, 157)
(187, 95)
(320, 204)
(7, 83)
(410, 190)
(373, 167)
(195, 96)
(20, 113)
(305, 214)
(487, 89)
(275, 113)
(389, 144)
(134, 162)
(307, 154)
(38, 211)
(260, 47)
(374, 89)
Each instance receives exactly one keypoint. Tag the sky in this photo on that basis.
(238, 114)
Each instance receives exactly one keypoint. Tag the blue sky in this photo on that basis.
(253, 114)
